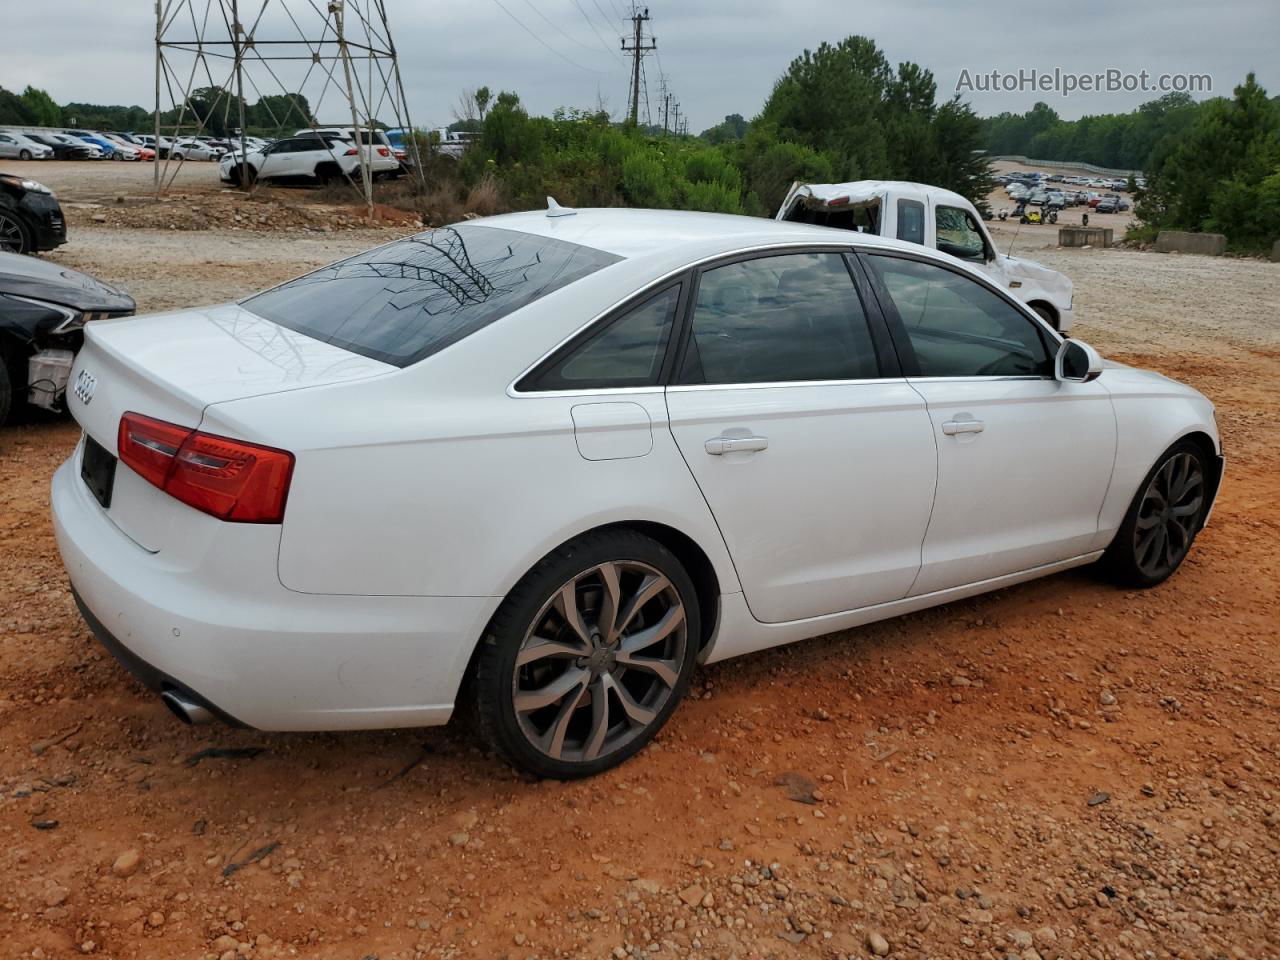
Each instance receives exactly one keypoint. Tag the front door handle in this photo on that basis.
(717, 446)
(952, 427)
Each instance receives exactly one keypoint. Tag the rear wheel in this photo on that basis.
(14, 235)
(588, 655)
(1163, 520)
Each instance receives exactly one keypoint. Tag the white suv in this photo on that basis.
(324, 158)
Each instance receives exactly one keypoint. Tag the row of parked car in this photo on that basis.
(100, 145)
(1061, 199)
(1037, 179)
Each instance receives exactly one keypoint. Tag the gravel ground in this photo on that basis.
(1058, 770)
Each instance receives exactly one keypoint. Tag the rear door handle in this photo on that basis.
(952, 427)
(717, 446)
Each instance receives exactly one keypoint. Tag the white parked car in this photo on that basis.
(322, 157)
(194, 150)
(15, 146)
(943, 220)
(567, 456)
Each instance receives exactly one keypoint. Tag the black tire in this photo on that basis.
(1045, 314)
(242, 170)
(15, 237)
(612, 701)
(24, 154)
(1164, 518)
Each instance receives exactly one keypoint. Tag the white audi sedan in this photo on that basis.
(545, 463)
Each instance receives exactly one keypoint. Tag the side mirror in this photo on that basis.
(1077, 362)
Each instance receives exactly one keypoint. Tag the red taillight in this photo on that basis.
(229, 479)
(350, 153)
(383, 152)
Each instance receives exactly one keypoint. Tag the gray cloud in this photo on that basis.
(722, 57)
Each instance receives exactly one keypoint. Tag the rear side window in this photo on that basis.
(627, 352)
(777, 319)
(911, 221)
(406, 300)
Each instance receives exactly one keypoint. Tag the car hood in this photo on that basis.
(43, 280)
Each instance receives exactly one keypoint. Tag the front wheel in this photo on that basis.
(587, 656)
(24, 154)
(1163, 519)
(14, 236)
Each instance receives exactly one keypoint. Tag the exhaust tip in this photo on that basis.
(186, 710)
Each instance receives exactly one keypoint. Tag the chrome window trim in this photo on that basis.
(980, 379)
(776, 384)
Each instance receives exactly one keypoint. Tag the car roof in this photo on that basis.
(865, 189)
(630, 232)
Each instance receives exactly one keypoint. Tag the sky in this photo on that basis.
(720, 56)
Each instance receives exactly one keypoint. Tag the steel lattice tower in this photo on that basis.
(337, 54)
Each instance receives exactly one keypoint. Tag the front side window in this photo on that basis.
(627, 352)
(959, 234)
(777, 319)
(911, 221)
(408, 299)
(959, 328)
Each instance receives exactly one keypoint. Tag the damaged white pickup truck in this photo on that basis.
(935, 218)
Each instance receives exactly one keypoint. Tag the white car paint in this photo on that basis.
(1030, 282)
(422, 494)
(194, 150)
(308, 155)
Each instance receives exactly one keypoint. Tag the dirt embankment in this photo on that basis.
(1057, 770)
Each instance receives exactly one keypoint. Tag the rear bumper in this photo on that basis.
(217, 625)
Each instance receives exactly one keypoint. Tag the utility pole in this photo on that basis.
(675, 127)
(637, 51)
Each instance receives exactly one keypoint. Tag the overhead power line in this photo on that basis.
(559, 29)
(526, 29)
(591, 24)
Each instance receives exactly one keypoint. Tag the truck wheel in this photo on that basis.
(1045, 314)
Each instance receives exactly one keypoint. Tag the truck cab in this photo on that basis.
(932, 217)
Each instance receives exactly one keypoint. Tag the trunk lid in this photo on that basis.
(171, 367)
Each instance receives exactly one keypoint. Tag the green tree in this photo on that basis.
(44, 111)
(733, 127)
(13, 109)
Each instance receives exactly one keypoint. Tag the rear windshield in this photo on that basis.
(409, 299)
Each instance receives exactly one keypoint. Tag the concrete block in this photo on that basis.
(1084, 236)
(1180, 241)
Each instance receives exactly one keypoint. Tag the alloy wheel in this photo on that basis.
(600, 661)
(12, 239)
(1169, 514)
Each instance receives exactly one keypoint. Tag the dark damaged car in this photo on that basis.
(30, 218)
(43, 310)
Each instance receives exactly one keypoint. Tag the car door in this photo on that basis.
(1024, 460)
(815, 456)
(8, 146)
(276, 159)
